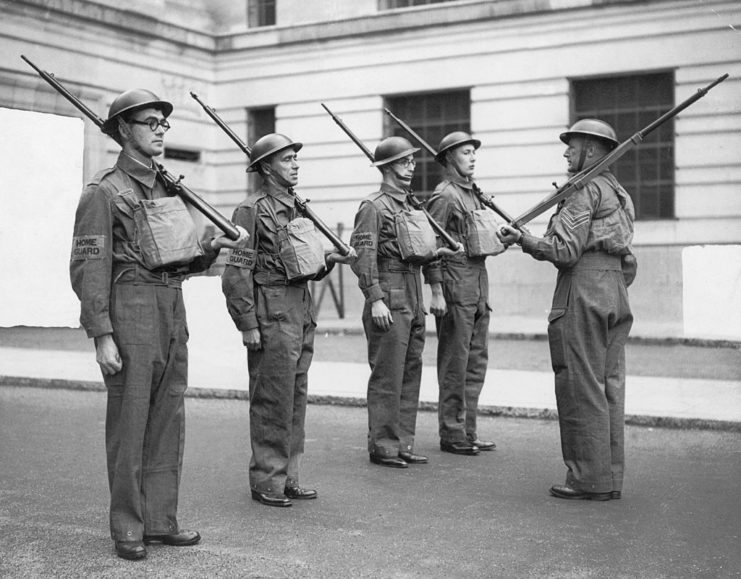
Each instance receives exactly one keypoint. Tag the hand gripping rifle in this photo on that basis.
(582, 178)
(303, 205)
(172, 184)
(416, 203)
(485, 199)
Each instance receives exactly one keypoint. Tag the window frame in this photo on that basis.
(457, 117)
(647, 172)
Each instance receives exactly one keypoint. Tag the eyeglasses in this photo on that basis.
(152, 123)
(406, 163)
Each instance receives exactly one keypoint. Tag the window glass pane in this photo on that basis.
(629, 104)
(260, 122)
(432, 116)
(260, 13)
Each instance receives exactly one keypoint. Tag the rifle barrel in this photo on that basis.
(583, 177)
(214, 216)
(487, 201)
(350, 134)
(49, 78)
(452, 243)
(302, 205)
(224, 127)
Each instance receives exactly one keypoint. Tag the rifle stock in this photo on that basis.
(485, 199)
(303, 205)
(413, 201)
(586, 175)
(174, 185)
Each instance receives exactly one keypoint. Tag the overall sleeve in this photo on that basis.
(91, 260)
(203, 262)
(237, 280)
(364, 240)
(439, 208)
(568, 231)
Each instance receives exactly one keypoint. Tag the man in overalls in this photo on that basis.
(460, 300)
(589, 240)
(393, 314)
(133, 308)
(275, 314)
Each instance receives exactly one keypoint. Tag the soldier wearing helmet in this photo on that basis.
(460, 295)
(271, 305)
(589, 240)
(132, 306)
(393, 315)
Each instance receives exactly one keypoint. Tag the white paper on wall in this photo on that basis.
(40, 184)
(712, 291)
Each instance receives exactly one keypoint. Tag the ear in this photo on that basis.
(263, 168)
(591, 148)
(124, 130)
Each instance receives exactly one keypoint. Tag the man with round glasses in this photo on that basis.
(394, 313)
(134, 243)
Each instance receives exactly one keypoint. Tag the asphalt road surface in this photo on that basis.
(484, 516)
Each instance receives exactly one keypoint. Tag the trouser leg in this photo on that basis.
(387, 353)
(478, 360)
(300, 394)
(144, 415)
(454, 331)
(409, 400)
(615, 389)
(578, 341)
(273, 385)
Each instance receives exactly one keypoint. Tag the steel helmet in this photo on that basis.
(592, 128)
(269, 144)
(131, 100)
(452, 140)
(392, 149)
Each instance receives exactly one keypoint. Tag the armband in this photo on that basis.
(88, 247)
(242, 258)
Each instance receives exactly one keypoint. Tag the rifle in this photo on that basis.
(413, 201)
(172, 184)
(582, 178)
(487, 200)
(302, 204)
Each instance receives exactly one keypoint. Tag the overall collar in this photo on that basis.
(284, 195)
(393, 192)
(137, 170)
(454, 177)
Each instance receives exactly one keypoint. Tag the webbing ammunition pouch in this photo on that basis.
(612, 229)
(481, 234)
(415, 237)
(300, 249)
(165, 232)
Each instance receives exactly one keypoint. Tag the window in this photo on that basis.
(260, 13)
(391, 4)
(260, 122)
(629, 104)
(432, 116)
(182, 154)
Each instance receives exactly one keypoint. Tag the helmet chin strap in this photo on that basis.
(402, 179)
(583, 154)
(270, 175)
